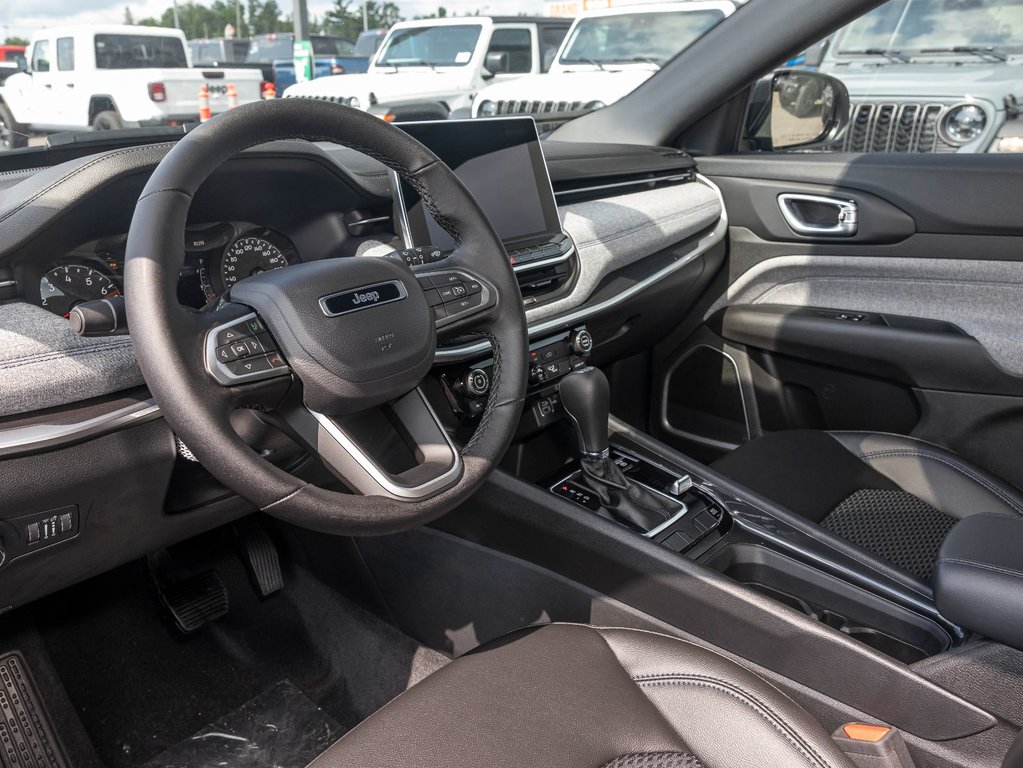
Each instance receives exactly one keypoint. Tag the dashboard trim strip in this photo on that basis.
(36, 437)
(705, 243)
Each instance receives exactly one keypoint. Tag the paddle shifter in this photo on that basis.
(586, 397)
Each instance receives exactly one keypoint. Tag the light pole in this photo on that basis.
(365, 15)
(301, 20)
(177, 19)
(238, 17)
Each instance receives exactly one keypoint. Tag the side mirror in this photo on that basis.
(497, 62)
(796, 108)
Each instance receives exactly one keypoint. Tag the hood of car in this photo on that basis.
(603, 86)
(385, 86)
(932, 80)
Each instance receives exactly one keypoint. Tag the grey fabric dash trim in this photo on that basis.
(44, 365)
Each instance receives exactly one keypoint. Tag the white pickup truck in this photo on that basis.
(105, 77)
(607, 54)
(430, 69)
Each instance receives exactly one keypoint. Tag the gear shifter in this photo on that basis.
(586, 397)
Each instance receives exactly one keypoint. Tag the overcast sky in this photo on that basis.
(22, 17)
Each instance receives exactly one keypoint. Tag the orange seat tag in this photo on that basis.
(864, 732)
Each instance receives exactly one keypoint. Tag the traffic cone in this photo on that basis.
(232, 96)
(204, 103)
(269, 90)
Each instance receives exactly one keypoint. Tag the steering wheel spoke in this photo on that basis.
(399, 450)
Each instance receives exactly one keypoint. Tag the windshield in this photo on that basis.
(919, 26)
(139, 52)
(636, 37)
(332, 46)
(263, 50)
(441, 46)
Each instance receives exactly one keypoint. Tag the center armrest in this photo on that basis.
(978, 581)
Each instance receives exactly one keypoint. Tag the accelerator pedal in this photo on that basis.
(192, 601)
(27, 736)
(259, 554)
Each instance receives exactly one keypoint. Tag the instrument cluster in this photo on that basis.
(217, 256)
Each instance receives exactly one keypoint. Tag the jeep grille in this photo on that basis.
(895, 127)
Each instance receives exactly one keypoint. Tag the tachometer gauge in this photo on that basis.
(65, 287)
(249, 256)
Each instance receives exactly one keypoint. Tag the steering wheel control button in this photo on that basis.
(364, 297)
(249, 365)
(460, 294)
(245, 357)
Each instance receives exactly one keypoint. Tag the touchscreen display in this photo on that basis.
(501, 163)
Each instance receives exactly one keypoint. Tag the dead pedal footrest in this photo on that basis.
(27, 736)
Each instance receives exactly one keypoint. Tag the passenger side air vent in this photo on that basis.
(595, 188)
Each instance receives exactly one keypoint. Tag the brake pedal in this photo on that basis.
(260, 556)
(192, 601)
(27, 734)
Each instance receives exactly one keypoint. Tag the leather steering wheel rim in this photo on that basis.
(167, 336)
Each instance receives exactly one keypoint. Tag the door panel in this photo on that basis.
(912, 325)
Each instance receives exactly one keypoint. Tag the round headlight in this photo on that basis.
(354, 102)
(487, 108)
(963, 124)
(594, 105)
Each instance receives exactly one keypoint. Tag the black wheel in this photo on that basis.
(12, 133)
(107, 121)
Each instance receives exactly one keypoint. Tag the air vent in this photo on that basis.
(544, 283)
(594, 188)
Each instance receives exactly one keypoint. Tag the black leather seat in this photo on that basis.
(572, 696)
(896, 497)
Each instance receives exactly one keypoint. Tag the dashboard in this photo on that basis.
(71, 401)
(217, 255)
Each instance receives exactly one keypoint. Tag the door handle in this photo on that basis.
(819, 215)
(70, 85)
(47, 85)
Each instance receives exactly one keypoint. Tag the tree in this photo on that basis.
(264, 17)
(342, 20)
(15, 40)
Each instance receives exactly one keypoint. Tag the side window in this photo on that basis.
(515, 49)
(923, 76)
(65, 53)
(550, 40)
(41, 56)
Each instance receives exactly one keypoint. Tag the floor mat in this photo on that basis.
(27, 736)
(139, 687)
(281, 727)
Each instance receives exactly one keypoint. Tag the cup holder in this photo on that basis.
(884, 626)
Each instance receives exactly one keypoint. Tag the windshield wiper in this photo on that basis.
(411, 63)
(891, 55)
(988, 51)
(638, 60)
(591, 62)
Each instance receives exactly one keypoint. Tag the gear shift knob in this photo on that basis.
(586, 396)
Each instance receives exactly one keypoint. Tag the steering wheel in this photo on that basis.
(331, 347)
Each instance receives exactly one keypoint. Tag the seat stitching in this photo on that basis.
(744, 697)
(982, 566)
(949, 463)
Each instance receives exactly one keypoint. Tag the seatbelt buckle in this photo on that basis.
(873, 746)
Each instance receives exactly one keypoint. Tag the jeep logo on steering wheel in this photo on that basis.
(362, 298)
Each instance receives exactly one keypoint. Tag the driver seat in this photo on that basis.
(575, 696)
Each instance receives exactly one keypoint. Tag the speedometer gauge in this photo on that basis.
(63, 288)
(249, 256)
